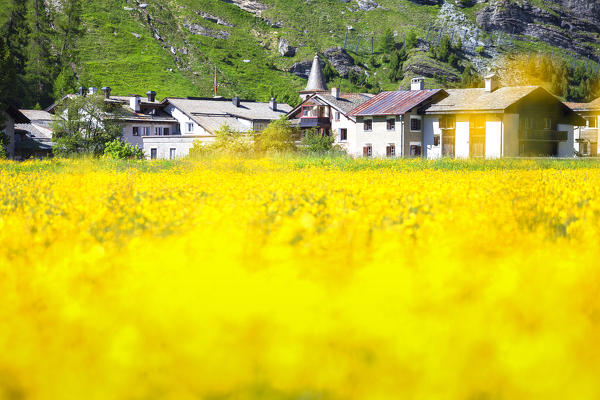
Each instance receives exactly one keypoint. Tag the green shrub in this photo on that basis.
(314, 142)
(119, 150)
(278, 137)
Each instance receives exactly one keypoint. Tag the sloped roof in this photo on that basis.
(346, 102)
(466, 100)
(208, 112)
(394, 103)
(591, 106)
(35, 130)
(37, 115)
(159, 116)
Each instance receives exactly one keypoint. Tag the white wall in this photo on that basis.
(565, 149)
(184, 120)
(349, 144)
(379, 138)
(461, 149)
(182, 145)
(431, 127)
(493, 137)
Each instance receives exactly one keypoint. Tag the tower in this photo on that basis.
(316, 82)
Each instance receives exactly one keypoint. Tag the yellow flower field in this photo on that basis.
(277, 279)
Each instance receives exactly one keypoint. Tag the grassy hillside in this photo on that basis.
(174, 46)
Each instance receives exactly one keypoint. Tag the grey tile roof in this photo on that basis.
(35, 130)
(211, 114)
(465, 100)
(346, 101)
(37, 115)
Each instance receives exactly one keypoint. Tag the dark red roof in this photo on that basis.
(394, 103)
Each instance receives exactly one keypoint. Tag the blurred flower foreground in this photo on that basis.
(282, 279)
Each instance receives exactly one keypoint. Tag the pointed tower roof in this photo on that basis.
(316, 82)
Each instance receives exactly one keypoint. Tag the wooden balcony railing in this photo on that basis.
(543, 134)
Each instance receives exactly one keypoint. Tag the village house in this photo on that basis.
(391, 123)
(587, 135)
(199, 118)
(168, 129)
(327, 112)
(34, 139)
(10, 118)
(490, 122)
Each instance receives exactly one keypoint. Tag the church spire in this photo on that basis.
(316, 82)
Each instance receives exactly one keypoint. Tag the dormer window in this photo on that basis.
(310, 111)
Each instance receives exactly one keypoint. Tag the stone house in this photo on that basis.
(391, 123)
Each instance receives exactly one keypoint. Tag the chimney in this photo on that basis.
(82, 91)
(151, 96)
(417, 83)
(93, 90)
(135, 103)
(491, 82)
(236, 101)
(106, 91)
(273, 104)
(335, 92)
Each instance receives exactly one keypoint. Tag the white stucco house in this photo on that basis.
(391, 123)
(587, 136)
(327, 112)
(199, 118)
(495, 121)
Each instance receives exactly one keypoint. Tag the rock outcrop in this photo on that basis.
(341, 61)
(285, 49)
(302, 68)
(563, 23)
(201, 30)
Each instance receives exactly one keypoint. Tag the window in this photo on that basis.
(415, 124)
(528, 123)
(136, 131)
(146, 130)
(153, 154)
(390, 150)
(368, 125)
(447, 122)
(391, 124)
(591, 122)
(190, 127)
(367, 151)
(172, 153)
(547, 123)
(436, 140)
(415, 149)
(157, 131)
(343, 134)
(166, 131)
(337, 115)
(310, 111)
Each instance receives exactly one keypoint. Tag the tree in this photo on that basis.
(388, 42)
(329, 72)
(313, 142)
(85, 124)
(279, 137)
(16, 35)
(39, 67)
(119, 150)
(470, 78)
(411, 40)
(68, 25)
(396, 64)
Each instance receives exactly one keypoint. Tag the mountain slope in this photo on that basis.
(174, 46)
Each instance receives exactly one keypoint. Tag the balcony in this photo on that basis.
(547, 135)
(315, 122)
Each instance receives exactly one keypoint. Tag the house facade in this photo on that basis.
(11, 117)
(392, 123)
(495, 121)
(328, 112)
(198, 119)
(587, 135)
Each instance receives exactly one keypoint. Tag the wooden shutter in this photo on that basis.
(365, 151)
